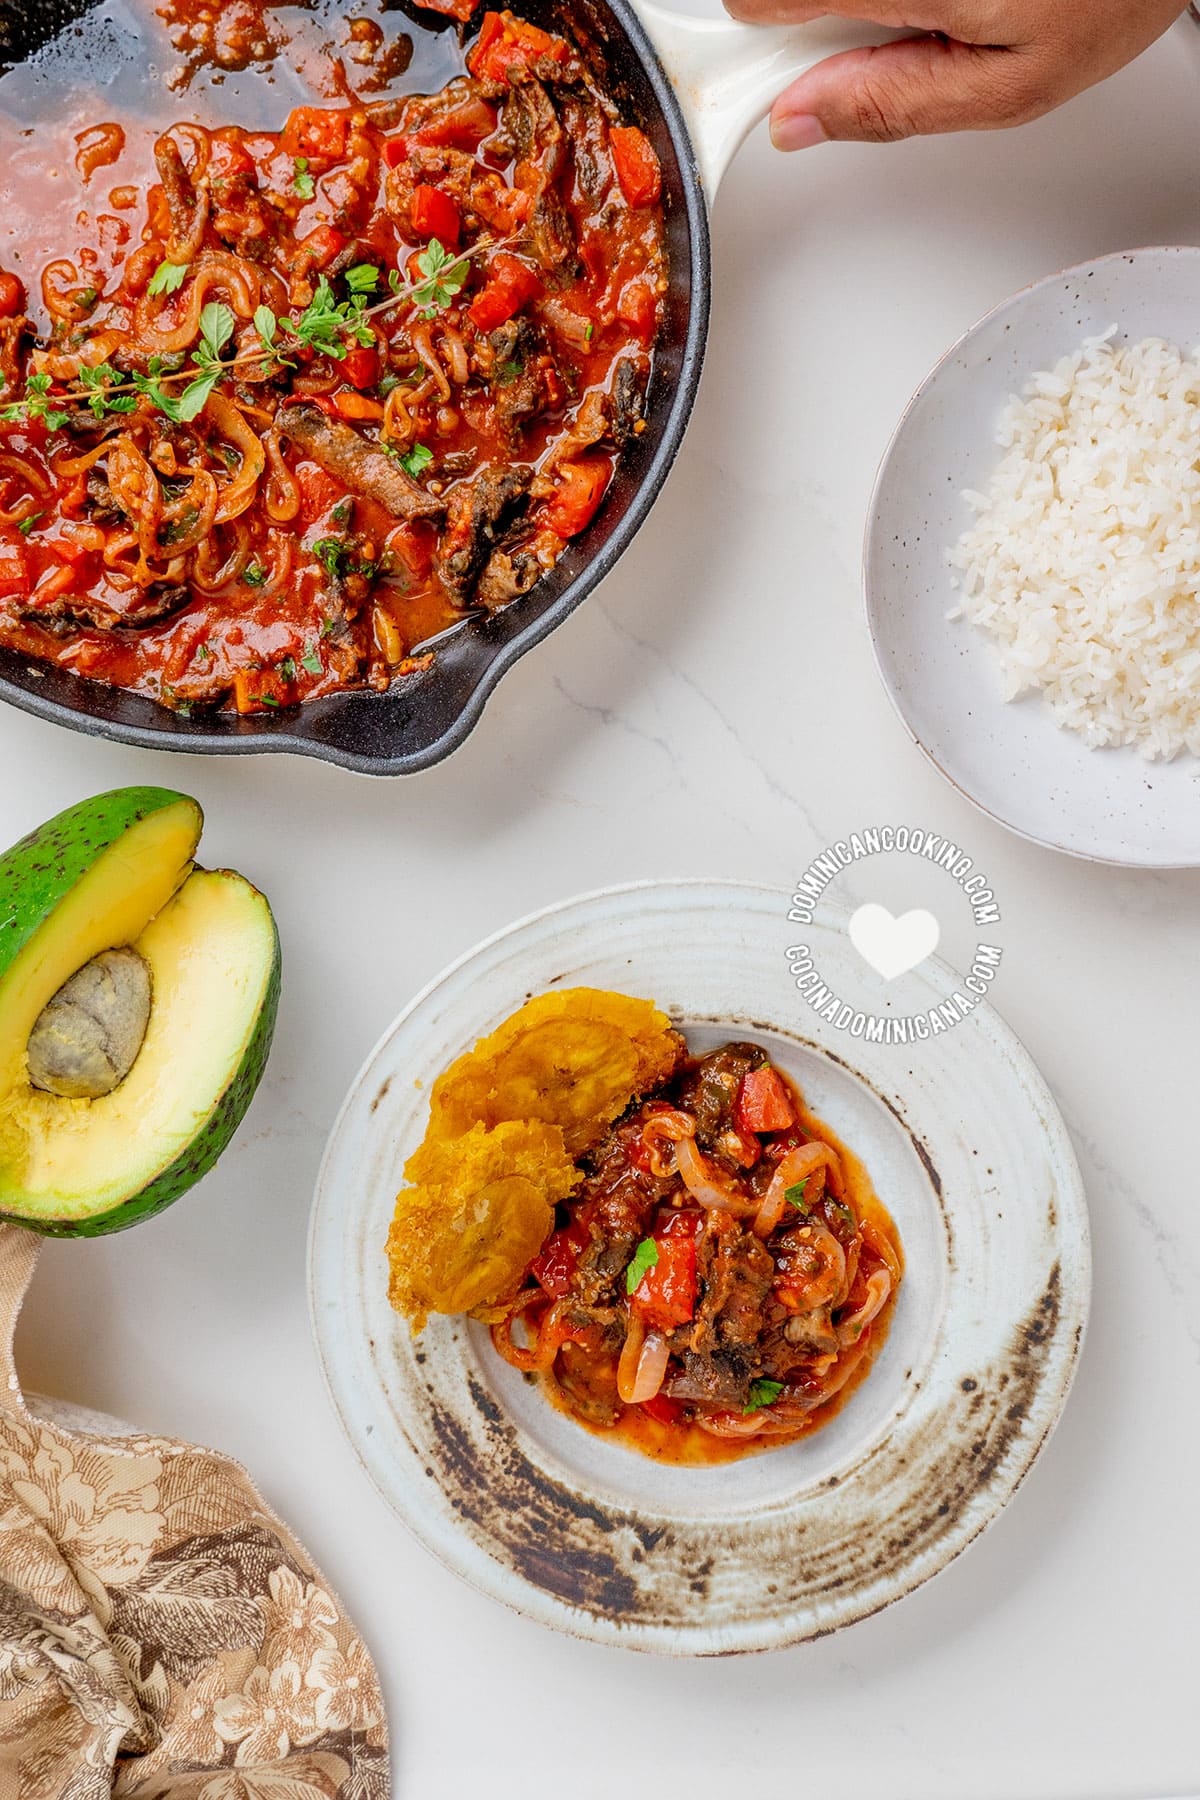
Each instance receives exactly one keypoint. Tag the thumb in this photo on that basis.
(906, 89)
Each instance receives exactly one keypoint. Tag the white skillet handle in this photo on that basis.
(727, 75)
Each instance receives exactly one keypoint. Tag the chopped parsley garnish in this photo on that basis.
(762, 1393)
(287, 670)
(510, 371)
(416, 461)
(645, 1258)
(302, 181)
(363, 278)
(168, 278)
(254, 574)
(795, 1195)
(26, 525)
(311, 660)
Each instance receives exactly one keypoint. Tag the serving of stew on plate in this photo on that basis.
(722, 1278)
(300, 401)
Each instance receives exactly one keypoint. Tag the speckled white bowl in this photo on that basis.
(1012, 760)
(964, 1145)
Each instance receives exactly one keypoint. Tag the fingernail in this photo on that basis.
(797, 131)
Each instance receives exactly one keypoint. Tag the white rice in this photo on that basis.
(1083, 562)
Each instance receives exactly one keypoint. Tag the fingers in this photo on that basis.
(966, 19)
(915, 86)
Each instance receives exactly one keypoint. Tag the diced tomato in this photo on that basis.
(316, 132)
(505, 43)
(638, 308)
(12, 295)
(261, 690)
(434, 215)
(415, 543)
(14, 569)
(505, 209)
(638, 169)
(663, 1409)
(68, 551)
(462, 128)
(666, 1294)
(453, 9)
(556, 1264)
(510, 285)
(395, 151)
(360, 366)
(322, 246)
(227, 160)
(582, 488)
(51, 586)
(764, 1103)
(318, 492)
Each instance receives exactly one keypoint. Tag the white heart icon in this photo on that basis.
(893, 946)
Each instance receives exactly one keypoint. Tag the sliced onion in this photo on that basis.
(643, 1365)
(797, 1166)
(879, 1287)
(705, 1185)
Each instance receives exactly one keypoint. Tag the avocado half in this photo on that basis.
(113, 871)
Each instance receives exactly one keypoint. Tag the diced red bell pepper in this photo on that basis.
(322, 246)
(510, 285)
(506, 43)
(663, 1409)
(318, 492)
(666, 1294)
(764, 1103)
(452, 9)
(583, 487)
(360, 366)
(433, 214)
(14, 569)
(554, 1268)
(68, 551)
(638, 169)
(316, 132)
(638, 308)
(12, 295)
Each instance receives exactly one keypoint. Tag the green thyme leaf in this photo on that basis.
(266, 325)
(762, 1393)
(168, 278)
(363, 278)
(645, 1258)
(444, 278)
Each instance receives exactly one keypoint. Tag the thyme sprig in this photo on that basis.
(327, 326)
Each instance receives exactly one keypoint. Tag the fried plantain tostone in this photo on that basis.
(574, 1059)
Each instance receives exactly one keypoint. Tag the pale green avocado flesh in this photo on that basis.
(83, 1166)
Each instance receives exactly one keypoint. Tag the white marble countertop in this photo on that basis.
(714, 709)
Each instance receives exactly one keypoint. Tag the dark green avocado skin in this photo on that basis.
(38, 873)
(201, 1153)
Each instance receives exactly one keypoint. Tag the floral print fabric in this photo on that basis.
(161, 1633)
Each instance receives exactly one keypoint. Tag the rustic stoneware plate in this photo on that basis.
(1012, 760)
(966, 1148)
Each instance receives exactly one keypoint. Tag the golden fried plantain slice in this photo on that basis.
(478, 1213)
(574, 1059)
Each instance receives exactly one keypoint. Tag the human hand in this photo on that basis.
(981, 64)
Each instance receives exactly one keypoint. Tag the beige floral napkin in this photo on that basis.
(161, 1633)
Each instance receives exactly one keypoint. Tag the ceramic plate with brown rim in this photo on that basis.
(966, 1149)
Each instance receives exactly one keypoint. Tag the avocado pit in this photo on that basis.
(87, 1038)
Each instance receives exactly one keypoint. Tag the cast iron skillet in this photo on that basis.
(426, 716)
